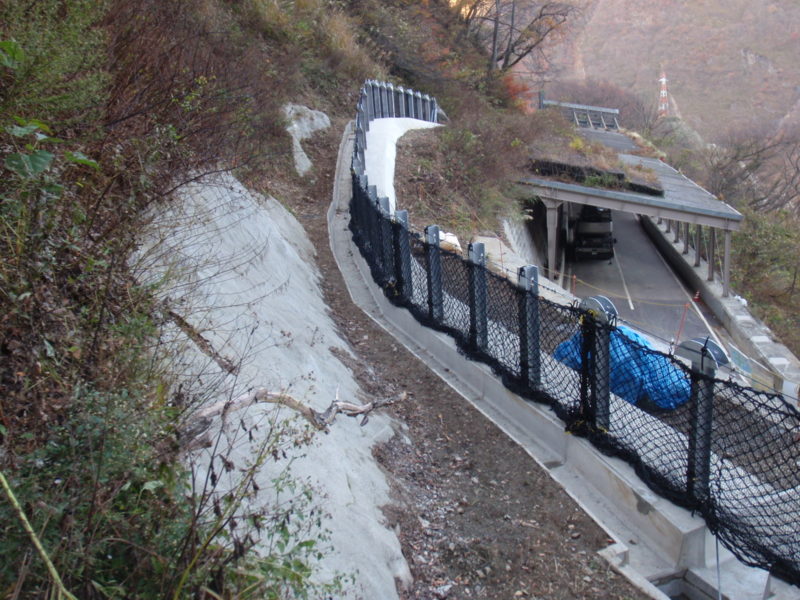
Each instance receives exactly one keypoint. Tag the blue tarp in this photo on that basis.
(637, 370)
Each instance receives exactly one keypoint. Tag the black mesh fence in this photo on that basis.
(728, 452)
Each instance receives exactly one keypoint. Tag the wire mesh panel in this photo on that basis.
(419, 276)
(455, 284)
(755, 475)
(559, 326)
(503, 321)
(650, 412)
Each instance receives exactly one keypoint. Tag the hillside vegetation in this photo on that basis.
(107, 108)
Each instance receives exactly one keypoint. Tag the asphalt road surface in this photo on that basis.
(645, 291)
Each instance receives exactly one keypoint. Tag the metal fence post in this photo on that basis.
(602, 388)
(433, 259)
(370, 102)
(599, 319)
(418, 105)
(409, 100)
(385, 249)
(384, 99)
(529, 359)
(401, 102)
(402, 255)
(478, 319)
(372, 221)
(390, 100)
(705, 356)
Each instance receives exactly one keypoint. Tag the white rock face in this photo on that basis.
(303, 123)
(240, 271)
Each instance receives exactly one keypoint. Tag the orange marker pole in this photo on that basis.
(683, 322)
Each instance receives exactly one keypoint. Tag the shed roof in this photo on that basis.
(683, 199)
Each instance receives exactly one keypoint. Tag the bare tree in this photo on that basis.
(512, 30)
(751, 168)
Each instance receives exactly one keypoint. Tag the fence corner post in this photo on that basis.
(529, 358)
(478, 319)
(433, 258)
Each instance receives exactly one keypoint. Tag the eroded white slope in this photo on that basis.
(240, 270)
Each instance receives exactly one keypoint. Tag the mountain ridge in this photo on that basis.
(722, 67)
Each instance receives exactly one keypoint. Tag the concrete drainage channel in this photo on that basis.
(664, 550)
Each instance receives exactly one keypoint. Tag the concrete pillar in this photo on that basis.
(552, 236)
(686, 238)
(712, 242)
(676, 227)
(698, 240)
(726, 266)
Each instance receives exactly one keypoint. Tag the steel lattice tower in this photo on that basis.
(663, 97)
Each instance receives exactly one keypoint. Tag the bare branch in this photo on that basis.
(320, 421)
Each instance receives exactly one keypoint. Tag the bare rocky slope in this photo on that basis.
(728, 61)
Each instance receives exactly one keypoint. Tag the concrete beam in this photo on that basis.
(652, 206)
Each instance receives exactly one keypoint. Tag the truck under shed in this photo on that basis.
(683, 203)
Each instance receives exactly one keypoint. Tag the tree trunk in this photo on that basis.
(495, 33)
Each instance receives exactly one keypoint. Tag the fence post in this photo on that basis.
(385, 249)
(370, 102)
(418, 105)
(401, 101)
(409, 100)
(529, 359)
(705, 356)
(402, 255)
(390, 100)
(433, 258)
(384, 100)
(600, 316)
(602, 387)
(372, 222)
(478, 320)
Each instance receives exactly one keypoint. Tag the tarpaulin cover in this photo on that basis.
(637, 370)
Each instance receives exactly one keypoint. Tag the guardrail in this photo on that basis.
(728, 452)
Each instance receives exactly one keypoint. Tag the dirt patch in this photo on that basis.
(476, 516)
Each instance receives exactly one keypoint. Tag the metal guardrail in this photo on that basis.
(728, 452)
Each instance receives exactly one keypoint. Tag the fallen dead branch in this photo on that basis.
(319, 420)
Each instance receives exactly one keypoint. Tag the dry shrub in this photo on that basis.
(345, 52)
(174, 87)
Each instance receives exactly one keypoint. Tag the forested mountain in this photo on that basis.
(729, 62)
